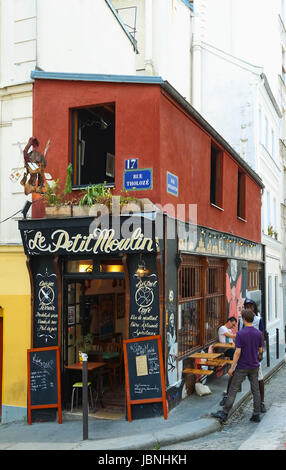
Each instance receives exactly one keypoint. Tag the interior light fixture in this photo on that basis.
(142, 271)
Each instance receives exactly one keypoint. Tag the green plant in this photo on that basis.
(52, 196)
(85, 343)
(68, 185)
(270, 230)
(96, 194)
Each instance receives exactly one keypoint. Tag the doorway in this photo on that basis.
(94, 309)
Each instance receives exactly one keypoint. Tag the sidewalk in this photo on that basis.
(189, 420)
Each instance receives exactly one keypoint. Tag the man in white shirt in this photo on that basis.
(225, 333)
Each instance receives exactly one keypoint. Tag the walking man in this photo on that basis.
(259, 324)
(248, 354)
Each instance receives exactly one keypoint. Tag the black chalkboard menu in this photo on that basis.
(44, 389)
(45, 303)
(144, 311)
(144, 372)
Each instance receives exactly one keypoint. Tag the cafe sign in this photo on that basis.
(100, 241)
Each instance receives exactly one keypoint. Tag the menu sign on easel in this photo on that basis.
(45, 306)
(44, 389)
(144, 372)
(144, 314)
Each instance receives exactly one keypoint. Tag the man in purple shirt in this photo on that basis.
(248, 354)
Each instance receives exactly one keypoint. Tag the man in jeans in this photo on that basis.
(248, 354)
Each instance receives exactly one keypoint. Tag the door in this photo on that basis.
(74, 326)
(1, 362)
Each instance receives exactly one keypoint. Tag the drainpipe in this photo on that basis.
(148, 38)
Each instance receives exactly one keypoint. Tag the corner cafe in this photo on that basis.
(87, 280)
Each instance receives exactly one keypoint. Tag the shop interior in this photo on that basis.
(95, 324)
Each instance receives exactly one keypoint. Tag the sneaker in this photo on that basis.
(221, 415)
(255, 418)
(222, 402)
(262, 408)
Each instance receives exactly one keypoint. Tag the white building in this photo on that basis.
(237, 63)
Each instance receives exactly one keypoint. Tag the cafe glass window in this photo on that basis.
(190, 304)
(216, 177)
(93, 145)
(215, 298)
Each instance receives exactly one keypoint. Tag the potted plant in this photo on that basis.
(94, 197)
(57, 202)
(52, 198)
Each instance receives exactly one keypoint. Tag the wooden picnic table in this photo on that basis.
(205, 355)
(224, 345)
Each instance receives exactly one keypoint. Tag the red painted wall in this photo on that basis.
(153, 128)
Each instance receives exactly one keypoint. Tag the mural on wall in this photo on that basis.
(172, 349)
(234, 289)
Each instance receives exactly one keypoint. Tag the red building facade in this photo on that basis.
(102, 125)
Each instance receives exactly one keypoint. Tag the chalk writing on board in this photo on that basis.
(46, 316)
(141, 388)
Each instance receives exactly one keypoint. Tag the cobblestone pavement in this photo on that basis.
(239, 429)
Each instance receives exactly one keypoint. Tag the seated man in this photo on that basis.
(226, 335)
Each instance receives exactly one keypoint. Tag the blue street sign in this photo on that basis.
(138, 180)
(172, 184)
(131, 164)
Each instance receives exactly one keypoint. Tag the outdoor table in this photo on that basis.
(91, 366)
(224, 345)
(205, 355)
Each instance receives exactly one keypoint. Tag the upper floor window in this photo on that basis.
(93, 145)
(216, 177)
(241, 195)
(266, 133)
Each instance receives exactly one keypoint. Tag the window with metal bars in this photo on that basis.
(201, 301)
(215, 276)
(190, 296)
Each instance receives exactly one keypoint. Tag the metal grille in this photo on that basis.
(190, 296)
(214, 298)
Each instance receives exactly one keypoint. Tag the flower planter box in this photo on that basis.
(58, 211)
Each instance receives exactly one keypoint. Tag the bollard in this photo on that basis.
(277, 343)
(267, 348)
(84, 397)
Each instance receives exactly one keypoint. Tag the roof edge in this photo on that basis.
(165, 85)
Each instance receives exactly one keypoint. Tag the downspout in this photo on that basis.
(149, 70)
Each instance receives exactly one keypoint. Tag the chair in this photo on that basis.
(75, 388)
(116, 365)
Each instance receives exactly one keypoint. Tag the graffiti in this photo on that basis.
(233, 290)
(172, 354)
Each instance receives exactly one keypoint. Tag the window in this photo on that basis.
(260, 125)
(93, 145)
(276, 287)
(268, 209)
(190, 303)
(273, 144)
(266, 133)
(215, 298)
(201, 301)
(274, 214)
(269, 316)
(241, 195)
(216, 177)
(253, 276)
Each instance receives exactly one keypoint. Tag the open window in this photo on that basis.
(93, 145)
(216, 177)
(241, 195)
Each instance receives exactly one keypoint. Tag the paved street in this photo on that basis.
(241, 434)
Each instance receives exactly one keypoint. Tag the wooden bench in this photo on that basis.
(216, 362)
(198, 371)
